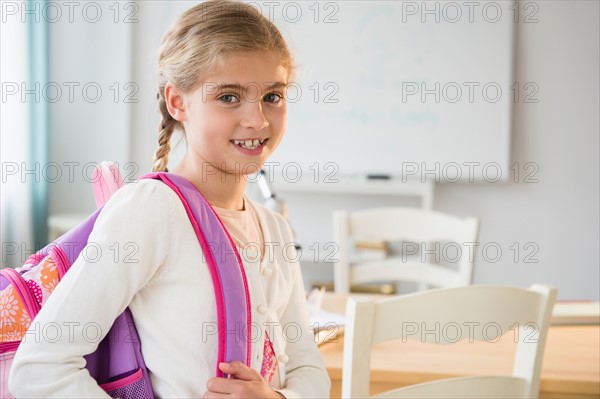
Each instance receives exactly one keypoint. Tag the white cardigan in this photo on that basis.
(145, 255)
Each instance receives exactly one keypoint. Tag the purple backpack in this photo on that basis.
(117, 365)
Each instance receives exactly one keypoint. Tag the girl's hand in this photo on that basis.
(244, 383)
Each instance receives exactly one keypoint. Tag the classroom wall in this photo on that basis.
(90, 118)
(560, 134)
(554, 221)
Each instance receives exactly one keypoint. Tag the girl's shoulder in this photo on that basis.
(152, 188)
(143, 211)
(147, 196)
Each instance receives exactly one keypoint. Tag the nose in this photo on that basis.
(254, 118)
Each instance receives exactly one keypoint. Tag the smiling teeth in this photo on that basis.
(249, 144)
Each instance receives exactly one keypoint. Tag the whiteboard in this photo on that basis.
(387, 86)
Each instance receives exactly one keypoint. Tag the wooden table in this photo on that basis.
(571, 367)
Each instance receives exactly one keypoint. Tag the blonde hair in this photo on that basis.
(195, 44)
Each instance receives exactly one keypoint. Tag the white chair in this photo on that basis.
(418, 228)
(369, 323)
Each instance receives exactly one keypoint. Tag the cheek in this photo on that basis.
(202, 129)
(279, 121)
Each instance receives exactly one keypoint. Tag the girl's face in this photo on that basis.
(242, 101)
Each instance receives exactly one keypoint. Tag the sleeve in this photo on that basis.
(306, 376)
(96, 289)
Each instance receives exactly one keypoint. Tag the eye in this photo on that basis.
(224, 98)
(274, 97)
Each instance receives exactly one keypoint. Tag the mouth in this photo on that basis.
(250, 144)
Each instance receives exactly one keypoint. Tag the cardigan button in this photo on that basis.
(267, 271)
(262, 308)
(283, 358)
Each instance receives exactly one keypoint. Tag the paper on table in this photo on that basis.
(329, 335)
(321, 319)
(327, 326)
(326, 320)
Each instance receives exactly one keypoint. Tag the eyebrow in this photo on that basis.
(237, 86)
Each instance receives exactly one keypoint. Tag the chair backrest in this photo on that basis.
(410, 316)
(430, 234)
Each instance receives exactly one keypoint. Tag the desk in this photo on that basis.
(571, 367)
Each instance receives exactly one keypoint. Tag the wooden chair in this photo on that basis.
(421, 228)
(402, 317)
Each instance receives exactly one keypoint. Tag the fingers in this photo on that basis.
(223, 385)
(245, 383)
(240, 371)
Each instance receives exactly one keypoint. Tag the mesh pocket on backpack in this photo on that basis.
(133, 386)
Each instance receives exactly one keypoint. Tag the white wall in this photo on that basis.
(147, 37)
(560, 134)
(90, 55)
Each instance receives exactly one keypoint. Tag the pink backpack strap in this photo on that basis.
(232, 295)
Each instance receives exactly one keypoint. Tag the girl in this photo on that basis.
(223, 71)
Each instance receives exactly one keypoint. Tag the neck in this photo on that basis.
(221, 189)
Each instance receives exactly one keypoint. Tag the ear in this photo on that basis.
(175, 103)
